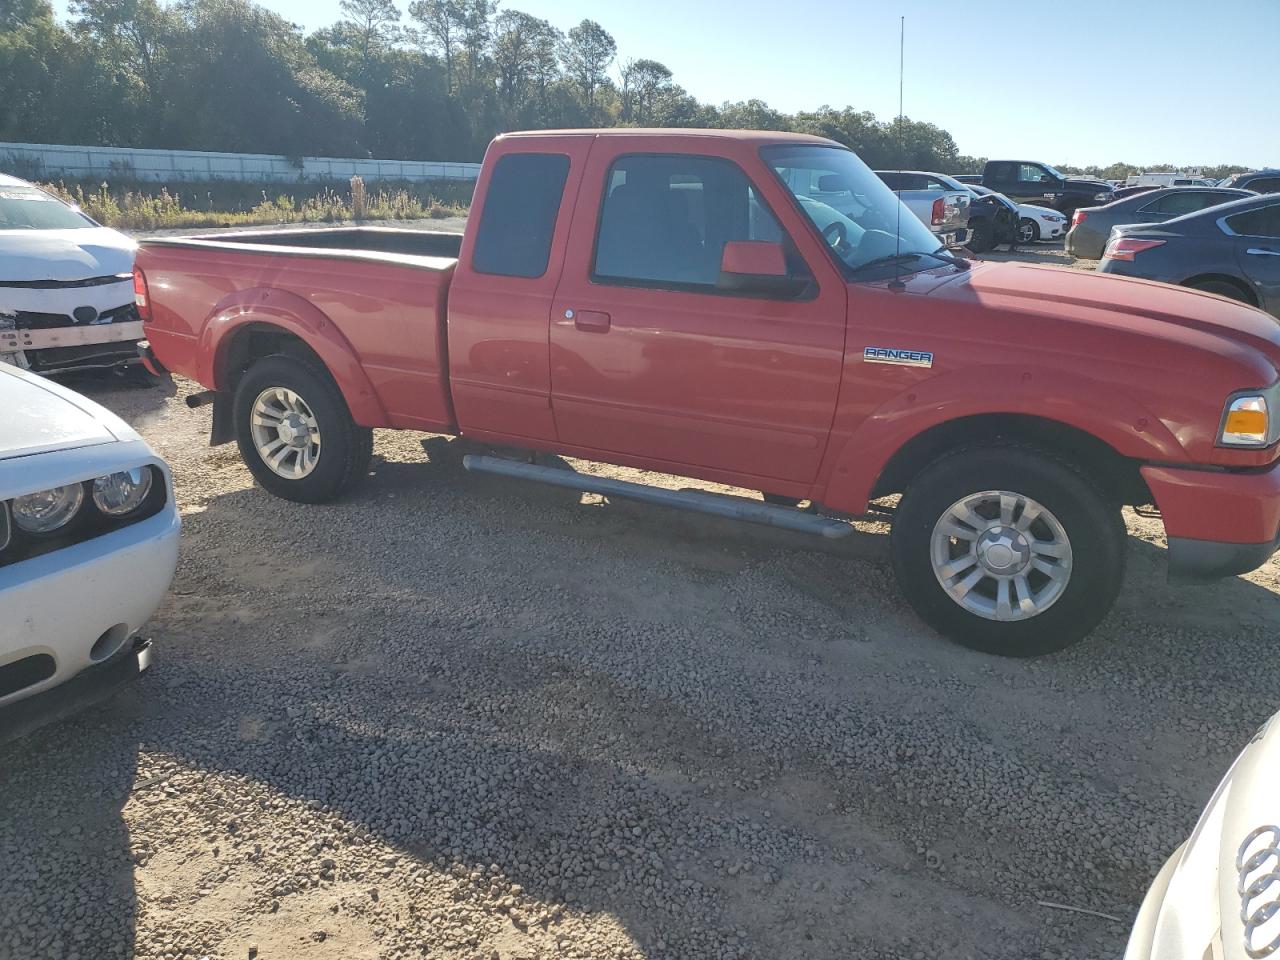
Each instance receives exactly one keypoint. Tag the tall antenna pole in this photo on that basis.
(897, 283)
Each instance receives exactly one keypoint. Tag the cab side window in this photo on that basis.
(664, 221)
(1030, 173)
(519, 217)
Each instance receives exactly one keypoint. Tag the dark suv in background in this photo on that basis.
(1260, 181)
(1029, 181)
(1091, 226)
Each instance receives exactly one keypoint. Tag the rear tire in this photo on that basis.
(1055, 532)
(1028, 230)
(295, 432)
(1222, 288)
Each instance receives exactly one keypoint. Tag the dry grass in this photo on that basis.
(135, 207)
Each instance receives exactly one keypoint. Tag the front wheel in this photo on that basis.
(1028, 230)
(1008, 550)
(295, 432)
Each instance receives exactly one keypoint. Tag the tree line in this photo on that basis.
(436, 81)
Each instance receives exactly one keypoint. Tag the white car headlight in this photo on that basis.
(48, 510)
(1247, 422)
(119, 494)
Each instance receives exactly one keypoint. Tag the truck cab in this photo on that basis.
(1030, 181)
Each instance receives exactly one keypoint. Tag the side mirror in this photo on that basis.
(757, 267)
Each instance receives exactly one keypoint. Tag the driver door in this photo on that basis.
(650, 360)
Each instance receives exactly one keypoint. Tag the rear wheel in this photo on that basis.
(1008, 550)
(1028, 230)
(295, 432)
(1222, 288)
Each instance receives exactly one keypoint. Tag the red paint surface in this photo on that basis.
(769, 394)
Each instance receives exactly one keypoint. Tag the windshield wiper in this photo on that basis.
(960, 262)
(887, 258)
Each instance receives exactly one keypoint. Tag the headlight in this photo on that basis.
(122, 493)
(48, 510)
(1247, 422)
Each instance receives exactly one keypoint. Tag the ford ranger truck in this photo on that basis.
(687, 302)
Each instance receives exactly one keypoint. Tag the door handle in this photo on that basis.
(589, 321)
(1261, 252)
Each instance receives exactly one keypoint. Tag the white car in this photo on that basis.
(66, 285)
(1040, 223)
(1218, 896)
(1034, 223)
(88, 545)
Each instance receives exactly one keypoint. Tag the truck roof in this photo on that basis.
(757, 136)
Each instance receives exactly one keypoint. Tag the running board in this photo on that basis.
(718, 505)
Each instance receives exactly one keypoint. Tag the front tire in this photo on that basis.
(295, 432)
(1008, 550)
(1028, 230)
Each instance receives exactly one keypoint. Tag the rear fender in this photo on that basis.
(1098, 409)
(294, 315)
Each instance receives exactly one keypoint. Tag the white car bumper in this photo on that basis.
(62, 603)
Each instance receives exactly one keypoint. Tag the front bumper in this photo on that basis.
(60, 604)
(1218, 523)
(89, 686)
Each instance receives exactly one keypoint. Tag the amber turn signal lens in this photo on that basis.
(1247, 422)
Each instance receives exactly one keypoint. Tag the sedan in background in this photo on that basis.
(88, 546)
(1259, 181)
(66, 286)
(1030, 222)
(1232, 250)
(1091, 226)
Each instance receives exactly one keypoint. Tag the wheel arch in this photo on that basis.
(1117, 475)
(1227, 278)
(248, 328)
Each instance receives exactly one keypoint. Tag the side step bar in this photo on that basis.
(698, 501)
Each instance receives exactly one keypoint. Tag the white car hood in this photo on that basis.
(1230, 866)
(1038, 211)
(40, 415)
(76, 254)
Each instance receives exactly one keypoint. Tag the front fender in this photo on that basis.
(1099, 409)
(294, 315)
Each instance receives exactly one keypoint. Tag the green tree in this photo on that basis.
(375, 25)
(586, 54)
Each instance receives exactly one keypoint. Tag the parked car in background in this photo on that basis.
(1029, 181)
(1123, 192)
(941, 203)
(1091, 226)
(88, 546)
(993, 219)
(969, 178)
(1175, 179)
(1216, 896)
(1232, 250)
(690, 302)
(1259, 181)
(66, 286)
(1033, 222)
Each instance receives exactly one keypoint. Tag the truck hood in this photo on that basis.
(40, 416)
(1105, 300)
(64, 255)
(1227, 868)
(1097, 186)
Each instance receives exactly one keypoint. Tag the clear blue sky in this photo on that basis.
(1080, 81)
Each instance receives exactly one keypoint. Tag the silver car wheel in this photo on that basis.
(285, 433)
(1001, 556)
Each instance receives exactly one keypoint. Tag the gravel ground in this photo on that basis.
(464, 717)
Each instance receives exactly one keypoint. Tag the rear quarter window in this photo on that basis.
(519, 218)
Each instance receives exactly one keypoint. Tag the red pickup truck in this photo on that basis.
(753, 309)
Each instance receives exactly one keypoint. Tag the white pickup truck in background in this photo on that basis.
(66, 286)
(941, 203)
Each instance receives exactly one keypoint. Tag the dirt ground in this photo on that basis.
(463, 717)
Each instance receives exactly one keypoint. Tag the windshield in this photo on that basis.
(26, 208)
(853, 209)
(1057, 173)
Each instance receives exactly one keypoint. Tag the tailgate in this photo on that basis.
(956, 212)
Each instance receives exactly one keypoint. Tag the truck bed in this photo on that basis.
(369, 300)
